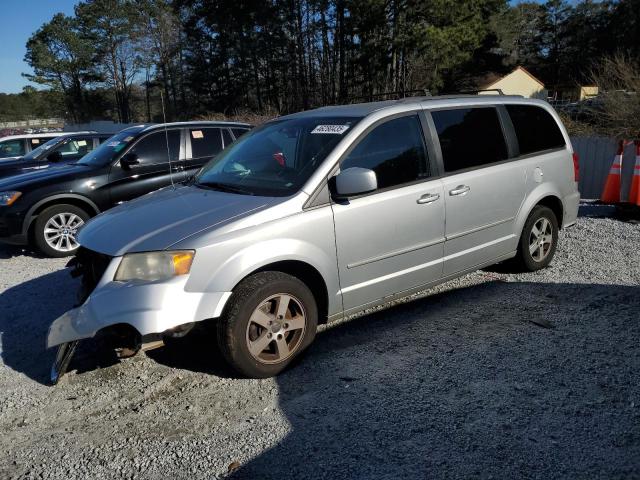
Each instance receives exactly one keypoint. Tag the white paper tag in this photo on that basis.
(82, 143)
(330, 129)
(197, 134)
(35, 141)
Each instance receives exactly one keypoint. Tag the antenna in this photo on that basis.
(166, 138)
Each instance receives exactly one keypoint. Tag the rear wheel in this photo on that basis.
(56, 228)
(539, 239)
(269, 320)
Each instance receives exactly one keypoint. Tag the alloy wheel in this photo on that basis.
(276, 328)
(540, 239)
(60, 231)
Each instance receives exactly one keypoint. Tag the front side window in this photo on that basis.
(394, 150)
(277, 158)
(469, 137)
(12, 148)
(205, 142)
(535, 128)
(152, 149)
(108, 151)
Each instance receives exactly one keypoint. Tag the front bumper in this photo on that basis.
(11, 230)
(147, 307)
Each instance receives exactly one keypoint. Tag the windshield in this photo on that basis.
(277, 158)
(45, 147)
(107, 151)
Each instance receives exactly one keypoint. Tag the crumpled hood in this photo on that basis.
(162, 218)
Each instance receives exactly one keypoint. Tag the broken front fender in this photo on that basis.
(147, 307)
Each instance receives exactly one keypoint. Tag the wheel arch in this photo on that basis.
(545, 194)
(555, 205)
(71, 199)
(307, 274)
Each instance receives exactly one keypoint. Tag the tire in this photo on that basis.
(527, 258)
(46, 242)
(244, 325)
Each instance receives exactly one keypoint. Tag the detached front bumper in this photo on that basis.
(147, 307)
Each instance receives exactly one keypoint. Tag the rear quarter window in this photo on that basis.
(535, 129)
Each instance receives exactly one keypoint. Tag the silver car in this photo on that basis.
(324, 213)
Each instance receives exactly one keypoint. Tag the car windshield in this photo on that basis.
(45, 147)
(277, 158)
(107, 151)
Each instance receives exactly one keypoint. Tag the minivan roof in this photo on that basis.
(364, 109)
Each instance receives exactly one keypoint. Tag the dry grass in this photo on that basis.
(245, 116)
(618, 113)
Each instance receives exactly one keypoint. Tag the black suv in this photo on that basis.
(67, 148)
(47, 207)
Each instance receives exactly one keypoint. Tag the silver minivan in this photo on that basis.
(321, 214)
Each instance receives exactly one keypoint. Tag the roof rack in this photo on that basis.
(399, 94)
(476, 92)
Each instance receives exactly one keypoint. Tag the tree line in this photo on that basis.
(119, 58)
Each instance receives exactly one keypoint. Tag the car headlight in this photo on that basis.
(7, 198)
(152, 266)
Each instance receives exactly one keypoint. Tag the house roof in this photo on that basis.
(514, 70)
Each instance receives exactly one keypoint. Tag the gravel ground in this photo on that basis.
(461, 383)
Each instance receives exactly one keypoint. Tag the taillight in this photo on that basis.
(576, 166)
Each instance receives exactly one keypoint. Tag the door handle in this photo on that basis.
(459, 190)
(428, 198)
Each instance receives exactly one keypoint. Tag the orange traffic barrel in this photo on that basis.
(611, 192)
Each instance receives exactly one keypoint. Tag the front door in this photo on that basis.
(153, 170)
(483, 190)
(390, 240)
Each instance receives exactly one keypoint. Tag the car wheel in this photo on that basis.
(268, 321)
(539, 239)
(55, 230)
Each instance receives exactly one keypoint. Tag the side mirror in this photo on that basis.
(54, 157)
(127, 161)
(355, 181)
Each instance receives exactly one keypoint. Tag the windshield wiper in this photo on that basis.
(223, 187)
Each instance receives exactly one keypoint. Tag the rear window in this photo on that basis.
(12, 148)
(205, 142)
(238, 132)
(469, 137)
(535, 128)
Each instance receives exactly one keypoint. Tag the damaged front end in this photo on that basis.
(127, 313)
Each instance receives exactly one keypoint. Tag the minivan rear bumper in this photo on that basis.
(570, 205)
(148, 307)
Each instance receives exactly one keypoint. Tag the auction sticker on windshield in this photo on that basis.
(330, 129)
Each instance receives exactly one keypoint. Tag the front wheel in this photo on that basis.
(269, 320)
(539, 239)
(56, 228)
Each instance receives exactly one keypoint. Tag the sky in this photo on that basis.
(19, 19)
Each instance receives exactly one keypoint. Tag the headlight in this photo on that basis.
(7, 198)
(154, 266)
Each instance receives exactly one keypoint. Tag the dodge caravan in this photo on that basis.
(321, 214)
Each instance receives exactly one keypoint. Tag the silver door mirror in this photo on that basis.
(355, 181)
